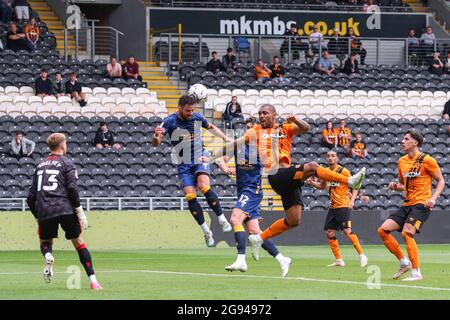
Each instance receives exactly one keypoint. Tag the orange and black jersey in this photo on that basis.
(339, 193)
(416, 174)
(330, 134)
(358, 147)
(344, 141)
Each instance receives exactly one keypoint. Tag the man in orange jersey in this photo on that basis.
(273, 144)
(338, 217)
(416, 171)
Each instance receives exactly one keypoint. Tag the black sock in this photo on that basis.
(85, 259)
(45, 248)
(213, 202)
(196, 211)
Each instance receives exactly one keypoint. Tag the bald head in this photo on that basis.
(267, 114)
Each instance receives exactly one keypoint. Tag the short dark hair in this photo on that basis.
(293, 25)
(73, 73)
(186, 101)
(19, 132)
(102, 123)
(230, 50)
(353, 54)
(44, 70)
(213, 53)
(276, 57)
(251, 119)
(57, 72)
(416, 135)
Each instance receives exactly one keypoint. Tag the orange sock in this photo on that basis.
(328, 175)
(355, 241)
(391, 243)
(413, 250)
(334, 245)
(278, 227)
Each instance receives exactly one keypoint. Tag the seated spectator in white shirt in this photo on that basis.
(114, 69)
(316, 39)
(427, 41)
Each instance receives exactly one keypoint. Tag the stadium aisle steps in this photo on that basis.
(417, 6)
(53, 22)
(159, 82)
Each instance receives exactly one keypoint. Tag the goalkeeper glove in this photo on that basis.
(82, 217)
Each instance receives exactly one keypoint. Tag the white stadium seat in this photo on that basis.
(100, 92)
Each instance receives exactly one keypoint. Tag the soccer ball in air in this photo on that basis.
(199, 92)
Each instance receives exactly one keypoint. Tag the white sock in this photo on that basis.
(93, 279)
(222, 219)
(205, 228)
(362, 255)
(416, 272)
(240, 258)
(48, 255)
(279, 257)
(404, 261)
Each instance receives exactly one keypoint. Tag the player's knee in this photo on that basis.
(204, 188)
(407, 234)
(235, 221)
(382, 233)
(347, 231)
(331, 235)
(311, 166)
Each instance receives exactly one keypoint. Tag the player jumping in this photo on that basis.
(184, 129)
(416, 171)
(247, 208)
(54, 200)
(338, 217)
(273, 143)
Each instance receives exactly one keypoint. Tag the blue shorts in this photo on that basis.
(249, 202)
(188, 173)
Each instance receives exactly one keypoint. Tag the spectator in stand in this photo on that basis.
(105, 138)
(19, 147)
(32, 32)
(229, 61)
(356, 45)
(369, 5)
(113, 69)
(296, 44)
(436, 65)
(427, 41)
(22, 10)
(6, 12)
(446, 112)
(214, 65)
(250, 122)
(358, 148)
(344, 135)
(329, 136)
(413, 43)
(232, 111)
(336, 46)
(325, 65)
(447, 63)
(351, 64)
(59, 89)
(43, 85)
(16, 41)
(131, 69)
(278, 71)
(73, 88)
(262, 72)
(316, 40)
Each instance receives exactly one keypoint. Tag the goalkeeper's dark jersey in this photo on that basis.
(54, 191)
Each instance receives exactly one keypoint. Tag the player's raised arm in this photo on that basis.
(158, 136)
(316, 184)
(301, 127)
(223, 165)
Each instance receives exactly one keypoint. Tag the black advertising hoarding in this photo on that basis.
(265, 22)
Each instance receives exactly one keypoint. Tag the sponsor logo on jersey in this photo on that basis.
(412, 174)
(334, 184)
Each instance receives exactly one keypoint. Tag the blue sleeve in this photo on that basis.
(205, 123)
(168, 125)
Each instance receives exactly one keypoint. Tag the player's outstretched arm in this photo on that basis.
(440, 185)
(218, 133)
(353, 198)
(301, 126)
(222, 162)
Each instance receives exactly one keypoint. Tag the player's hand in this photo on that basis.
(351, 205)
(291, 119)
(231, 171)
(430, 204)
(82, 218)
(228, 139)
(159, 131)
(393, 186)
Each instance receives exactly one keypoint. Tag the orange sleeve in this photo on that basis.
(289, 127)
(431, 165)
(350, 133)
(324, 133)
(26, 29)
(346, 173)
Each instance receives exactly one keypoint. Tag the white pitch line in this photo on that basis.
(218, 275)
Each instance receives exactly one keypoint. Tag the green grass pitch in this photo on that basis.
(179, 274)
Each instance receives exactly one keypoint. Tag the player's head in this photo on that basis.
(57, 143)
(332, 157)
(412, 139)
(186, 107)
(267, 114)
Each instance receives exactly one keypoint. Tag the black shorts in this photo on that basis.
(415, 215)
(288, 182)
(48, 229)
(338, 219)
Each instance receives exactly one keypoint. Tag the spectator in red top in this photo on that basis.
(131, 69)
